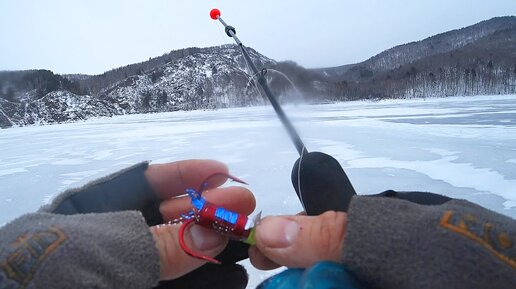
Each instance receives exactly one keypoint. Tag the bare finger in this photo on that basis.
(172, 179)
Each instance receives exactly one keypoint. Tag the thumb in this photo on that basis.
(301, 241)
(174, 262)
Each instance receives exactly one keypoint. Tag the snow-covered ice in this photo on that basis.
(463, 147)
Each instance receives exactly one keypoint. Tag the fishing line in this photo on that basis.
(300, 191)
(288, 79)
(251, 79)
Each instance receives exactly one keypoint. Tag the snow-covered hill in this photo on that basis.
(54, 107)
(209, 78)
(214, 77)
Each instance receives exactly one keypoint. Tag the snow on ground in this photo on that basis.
(463, 147)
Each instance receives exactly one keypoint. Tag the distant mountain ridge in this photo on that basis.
(478, 59)
(93, 84)
(437, 44)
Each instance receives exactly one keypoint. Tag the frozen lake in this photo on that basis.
(462, 147)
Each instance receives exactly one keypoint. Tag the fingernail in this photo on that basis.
(277, 232)
(205, 239)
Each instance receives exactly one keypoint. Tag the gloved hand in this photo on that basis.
(154, 191)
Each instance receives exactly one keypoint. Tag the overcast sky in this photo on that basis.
(92, 36)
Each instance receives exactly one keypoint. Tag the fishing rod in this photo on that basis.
(231, 32)
(320, 182)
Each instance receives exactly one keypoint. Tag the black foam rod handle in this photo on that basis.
(321, 184)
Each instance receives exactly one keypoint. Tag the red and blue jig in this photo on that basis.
(228, 223)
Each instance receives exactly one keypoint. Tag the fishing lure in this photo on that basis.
(228, 223)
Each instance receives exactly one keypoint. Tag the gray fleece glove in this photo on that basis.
(394, 243)
(110, 250)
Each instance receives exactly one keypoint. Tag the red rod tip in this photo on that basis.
(215, 14)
